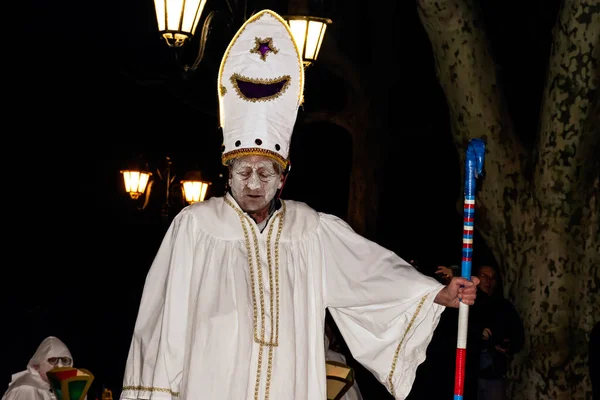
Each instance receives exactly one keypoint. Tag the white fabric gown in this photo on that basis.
(214, 324)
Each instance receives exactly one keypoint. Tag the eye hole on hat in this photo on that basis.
(259, 89)
(258, 142)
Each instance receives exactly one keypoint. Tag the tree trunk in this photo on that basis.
(541, 226)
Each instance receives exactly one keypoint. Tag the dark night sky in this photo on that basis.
(88, 96)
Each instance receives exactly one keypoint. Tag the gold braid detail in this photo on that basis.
(274, 289)
(254, 151)
(274, 327)
(261, 287)
(262, 309)
(397, 352)
(151, 389)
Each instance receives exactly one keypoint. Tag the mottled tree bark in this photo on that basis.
(538, 212)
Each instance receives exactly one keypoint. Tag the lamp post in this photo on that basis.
(194, 187)
(308, 32)
(178, 20)
(138, 182)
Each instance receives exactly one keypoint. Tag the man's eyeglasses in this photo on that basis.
(64, 360)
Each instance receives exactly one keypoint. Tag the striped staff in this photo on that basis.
(473, 169)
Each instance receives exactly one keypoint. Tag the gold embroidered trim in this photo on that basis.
(273, 286)
(269, 42)
(260, 81)
(269, 262)
(151, 389)
(222, 90)
(397, 352)
(254, 151)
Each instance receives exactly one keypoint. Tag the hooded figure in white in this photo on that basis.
(32, 384)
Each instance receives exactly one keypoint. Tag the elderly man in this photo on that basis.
(234, 304)
(32, 384)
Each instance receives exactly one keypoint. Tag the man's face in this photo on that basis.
(254, 180)
(487, 276)
(51, 363)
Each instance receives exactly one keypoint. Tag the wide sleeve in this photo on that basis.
(156, 355)
(382, 305)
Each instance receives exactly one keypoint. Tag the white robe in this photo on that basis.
(26, 386)
(195, 337)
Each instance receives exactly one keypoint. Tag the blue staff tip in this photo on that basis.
(476, 153)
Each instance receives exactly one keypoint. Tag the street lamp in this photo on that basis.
(308, 32)
(178, 20)
(194, 186)
(137, 180)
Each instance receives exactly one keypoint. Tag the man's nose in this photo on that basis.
(254, 182)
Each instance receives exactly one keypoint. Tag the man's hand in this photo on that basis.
(503, 347)
(458, 290)
(444, 272)
(487, 334)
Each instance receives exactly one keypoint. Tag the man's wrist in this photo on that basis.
(442, 297)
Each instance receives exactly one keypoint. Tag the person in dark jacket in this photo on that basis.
(501, 337)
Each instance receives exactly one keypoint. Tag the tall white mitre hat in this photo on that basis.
(260, 88)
